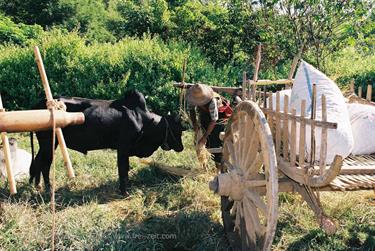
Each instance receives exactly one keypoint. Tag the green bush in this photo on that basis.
(11, 32)
(353, 64)
(75, 68)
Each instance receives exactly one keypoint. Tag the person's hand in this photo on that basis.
(202, 141)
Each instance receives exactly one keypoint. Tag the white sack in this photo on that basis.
(20, 159)
(340, 140)
(362, 119)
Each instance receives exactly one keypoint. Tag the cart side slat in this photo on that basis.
(302, 135)
(278, 126)
(286, 128)
(323, 141)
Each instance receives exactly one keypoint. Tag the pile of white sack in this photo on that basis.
(355, 122)
(20, 161)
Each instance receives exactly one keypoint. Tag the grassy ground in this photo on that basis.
(162, 212)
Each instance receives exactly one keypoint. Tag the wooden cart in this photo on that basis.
(261, 159)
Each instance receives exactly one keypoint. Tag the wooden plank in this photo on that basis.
(323, 141)
(8, 160)
(360, 91)
(293, 140)
(308, 121)
(278, 126)
(220, 89)
(302, 136)
(261, 82)
(286, 128)
(264, 96)
(299, 174)
(369, 92)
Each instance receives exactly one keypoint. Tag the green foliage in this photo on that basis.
(353, 64)
(75, 68)
(141, 17)
(90, 19)
(17, 33)
(42, 12)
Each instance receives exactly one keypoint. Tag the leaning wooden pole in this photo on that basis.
(258, 58)
(47, 90)
(8, 163)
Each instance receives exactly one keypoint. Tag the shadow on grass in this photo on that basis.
(180, 231)
(68, 195)
(361, 238)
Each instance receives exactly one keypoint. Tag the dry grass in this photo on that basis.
(92, 216)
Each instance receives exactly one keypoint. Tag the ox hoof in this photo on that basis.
(124, 193)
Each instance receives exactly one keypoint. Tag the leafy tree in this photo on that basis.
(318, 24)
(42, 12)
(139, 17)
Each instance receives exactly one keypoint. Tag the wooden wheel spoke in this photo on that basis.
(232, 152)
(257, 200)
(254, 167)
(248, 141)
(252, 151)
(238, 216)
(251, 210)
(250, 225)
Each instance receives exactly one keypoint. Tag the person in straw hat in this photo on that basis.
(213, 111)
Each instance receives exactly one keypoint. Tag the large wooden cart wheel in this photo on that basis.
(249, 187)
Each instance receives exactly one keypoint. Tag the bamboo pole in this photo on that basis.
(278, 126)
(244, 83)
(312, 136)
(369, 92)
(323, 142)
(270, 117)
(256, 71)
(352, 86)
(286, 128)
(37, 120)
(360, 91)
(8, 162)
(293, 140)
(302, 136)
(47, 90)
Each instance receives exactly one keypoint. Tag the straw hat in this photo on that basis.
(199, 94)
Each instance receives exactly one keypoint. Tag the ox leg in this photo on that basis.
(123, 170)
(42, 164)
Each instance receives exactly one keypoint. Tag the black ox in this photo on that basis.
(124, 124)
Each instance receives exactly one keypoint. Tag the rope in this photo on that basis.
(55, 105)
(52, 106)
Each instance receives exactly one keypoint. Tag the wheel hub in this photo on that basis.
(229, 184)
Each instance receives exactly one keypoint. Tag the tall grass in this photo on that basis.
(92, 216)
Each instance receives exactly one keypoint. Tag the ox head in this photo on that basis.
(174, 129)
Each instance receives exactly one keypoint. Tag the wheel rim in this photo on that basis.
(251, 178)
